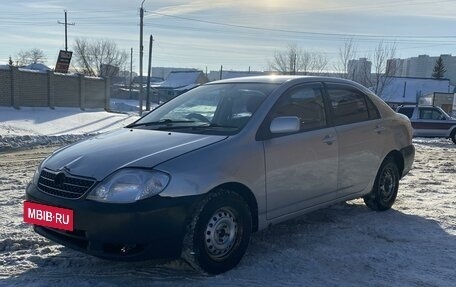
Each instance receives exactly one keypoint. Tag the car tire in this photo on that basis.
(453, 136)
(219, 233)
(386, 185)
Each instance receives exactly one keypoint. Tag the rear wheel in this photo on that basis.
(219, 233)
(385, 188)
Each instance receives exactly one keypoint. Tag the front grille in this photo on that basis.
(68, 186)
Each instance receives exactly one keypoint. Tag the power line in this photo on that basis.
(301, 32)
(370, 6)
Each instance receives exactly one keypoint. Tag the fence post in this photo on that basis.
(107, 81)
(51, 90)
(81, 91)
(13, 90)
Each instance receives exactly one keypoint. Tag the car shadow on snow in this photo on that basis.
(351, 244)
(345, 243)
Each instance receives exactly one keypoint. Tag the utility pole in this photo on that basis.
(141, 52)
(131, 69)
(66, 32)
(221, 71)
(148, 73)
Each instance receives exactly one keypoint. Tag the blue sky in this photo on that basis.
(232, 33)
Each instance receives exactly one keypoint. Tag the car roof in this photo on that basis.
(279, 79)
(419, 106)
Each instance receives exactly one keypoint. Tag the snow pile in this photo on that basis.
(42, 126)
(126, 105)
(179, 79)
(37, 67)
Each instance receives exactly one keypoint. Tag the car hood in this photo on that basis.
(100, 156)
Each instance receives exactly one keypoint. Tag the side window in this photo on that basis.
(430, 114)
(372, 110)
(406, 111)
(306, 103)
(349, 105)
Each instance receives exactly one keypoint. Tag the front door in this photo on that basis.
(301, 168)
(431, 123)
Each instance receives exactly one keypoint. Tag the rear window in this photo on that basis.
(349, 105)
(406, 111)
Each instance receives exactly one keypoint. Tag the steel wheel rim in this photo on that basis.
(388, 184)
(220, 234)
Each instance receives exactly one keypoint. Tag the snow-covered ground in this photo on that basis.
(41, 126)
(414, 244)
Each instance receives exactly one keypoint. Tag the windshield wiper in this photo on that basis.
(214, 126)
(167, 122)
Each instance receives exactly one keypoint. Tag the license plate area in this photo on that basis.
(48, 216)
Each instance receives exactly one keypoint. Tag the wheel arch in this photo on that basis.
(453, 134)
(398, 158)
(247, 195)
(453, 131)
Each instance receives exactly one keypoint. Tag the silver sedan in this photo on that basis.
(196, 176)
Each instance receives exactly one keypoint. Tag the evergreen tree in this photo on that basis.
(10, 61)
(439, 69)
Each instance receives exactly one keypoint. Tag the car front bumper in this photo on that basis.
(150, 228)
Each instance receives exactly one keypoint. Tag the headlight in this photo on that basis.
(129, 185)
(36, 175)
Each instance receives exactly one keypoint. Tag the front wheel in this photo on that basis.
(219, 233)
(453, 136)
(385, 188)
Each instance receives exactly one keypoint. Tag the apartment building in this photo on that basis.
(423, 66)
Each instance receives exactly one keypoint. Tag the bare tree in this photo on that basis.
(98, 58)
(319, 63)
(285, 62)
(383, 68)
(375, 71)
(294, 61)
(28, 57)
(346, 54)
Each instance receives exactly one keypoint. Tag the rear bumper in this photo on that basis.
(150, 228)
(408, 153)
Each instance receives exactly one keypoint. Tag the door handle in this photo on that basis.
(329, 139)
(379, 129)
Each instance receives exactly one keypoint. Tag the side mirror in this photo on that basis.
(283, 125)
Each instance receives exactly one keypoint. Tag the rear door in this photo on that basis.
(360, 135)
(301, 168)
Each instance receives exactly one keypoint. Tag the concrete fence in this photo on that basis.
(23, 88)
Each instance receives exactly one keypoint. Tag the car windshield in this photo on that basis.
(222, 109)
(447, 115)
